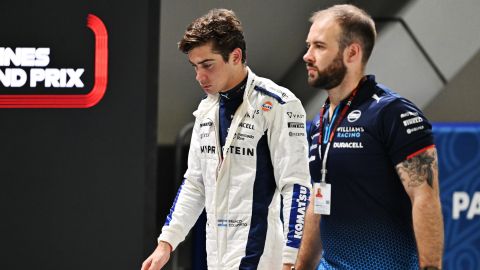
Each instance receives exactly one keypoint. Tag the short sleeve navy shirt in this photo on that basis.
(370, 225)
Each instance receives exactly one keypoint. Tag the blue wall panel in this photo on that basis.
(459, 166)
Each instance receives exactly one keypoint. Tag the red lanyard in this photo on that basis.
(338, 119)
(332, 131)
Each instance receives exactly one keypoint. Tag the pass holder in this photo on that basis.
(323, 191)
(322, 198)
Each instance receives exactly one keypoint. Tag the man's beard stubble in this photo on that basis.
(331, 76)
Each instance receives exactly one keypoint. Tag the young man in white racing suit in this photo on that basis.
(248, 150)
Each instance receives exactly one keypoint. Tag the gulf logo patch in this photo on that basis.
(267, 106)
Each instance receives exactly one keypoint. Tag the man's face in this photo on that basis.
(325, 66)
(212, 72)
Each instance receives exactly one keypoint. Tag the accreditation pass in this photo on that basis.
(322, 198)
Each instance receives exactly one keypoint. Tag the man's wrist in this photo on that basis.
(169, 247)
(430, 268)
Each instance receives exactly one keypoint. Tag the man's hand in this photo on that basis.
(159, 257)
(287, 266)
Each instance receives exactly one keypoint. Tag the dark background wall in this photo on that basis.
(77, 186)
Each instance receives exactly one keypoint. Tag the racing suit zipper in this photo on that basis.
(219, 152)
(217, 171)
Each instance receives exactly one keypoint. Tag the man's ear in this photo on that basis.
(353, 53)
(236, 56)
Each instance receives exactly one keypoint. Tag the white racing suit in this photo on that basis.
(265, 155)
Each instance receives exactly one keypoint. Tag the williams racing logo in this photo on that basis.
(24, 69)
(353, 133)
(354, 116)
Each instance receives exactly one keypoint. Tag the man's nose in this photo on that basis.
(308, 57)
(200, 77)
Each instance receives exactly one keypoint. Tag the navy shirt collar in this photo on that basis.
(367, 90)
(235, 93)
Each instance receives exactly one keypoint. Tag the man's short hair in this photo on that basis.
(221, 27)
(356, 26)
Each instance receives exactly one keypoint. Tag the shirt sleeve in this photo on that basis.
(405, 129)
(190, 199)
(288, 146)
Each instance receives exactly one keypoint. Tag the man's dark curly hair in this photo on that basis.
(219, 26)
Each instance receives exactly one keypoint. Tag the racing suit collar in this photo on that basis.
(209, 104)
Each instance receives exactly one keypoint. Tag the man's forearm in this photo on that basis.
(428, 227)
(311, 248)
(419, 176)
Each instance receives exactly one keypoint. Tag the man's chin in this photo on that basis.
(210, 91)
(312, 82)
(318, 85)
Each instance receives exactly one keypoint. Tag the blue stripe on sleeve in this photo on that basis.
(172, 209)
(297, 215)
